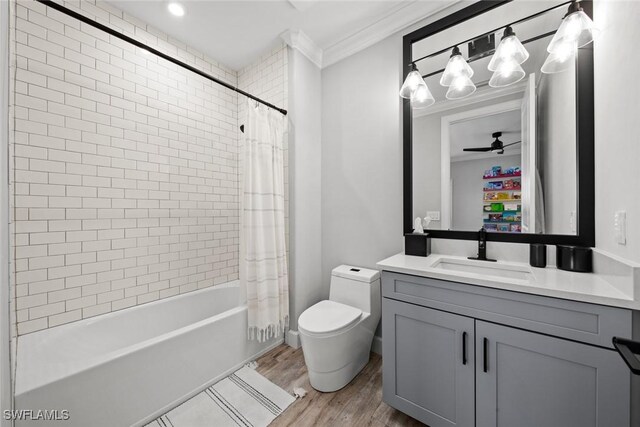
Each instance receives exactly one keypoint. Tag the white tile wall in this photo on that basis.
(125, 173)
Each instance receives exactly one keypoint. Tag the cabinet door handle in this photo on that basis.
(464, 348)
(485, 345)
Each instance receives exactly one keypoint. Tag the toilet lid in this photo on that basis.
(328, 316)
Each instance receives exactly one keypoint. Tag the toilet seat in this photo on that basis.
(328, 317)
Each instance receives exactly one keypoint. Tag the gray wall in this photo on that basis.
(361, 159)
(362, 149)
(556, 109)
(617, 127)
(362, 142)
(305, 236)
(467, 197)
(427, 174)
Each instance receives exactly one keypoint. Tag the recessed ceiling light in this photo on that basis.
(176, 9)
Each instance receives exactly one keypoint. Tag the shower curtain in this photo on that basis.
(263, 260)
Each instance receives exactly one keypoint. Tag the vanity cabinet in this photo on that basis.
(431, 364)
(527, 379)
(463, 355)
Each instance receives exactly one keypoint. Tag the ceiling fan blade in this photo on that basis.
(513, 143)
(478, 149)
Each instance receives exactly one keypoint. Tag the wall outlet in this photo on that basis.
(620, 227)
(433, 215)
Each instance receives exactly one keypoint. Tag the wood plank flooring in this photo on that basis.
(357, 404)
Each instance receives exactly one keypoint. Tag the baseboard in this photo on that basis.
(205, 385)
(292, 339)
(376, 347)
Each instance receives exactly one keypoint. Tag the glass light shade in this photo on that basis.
(460, 87)
(576, 28)
(413, 81)
(561, 60)
(507, 74)
(422, 97)
(509, 49)
(455, 68)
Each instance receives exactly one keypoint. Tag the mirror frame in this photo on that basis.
(585, 235)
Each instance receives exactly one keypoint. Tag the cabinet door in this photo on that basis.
(526, 379)
(425, 373)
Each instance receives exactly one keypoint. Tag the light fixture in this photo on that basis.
(460, 87)
(422, 97)
(561, 60)
(508, 73)
(413, 81)
(509, 50)
(456, 67)
(176, 9)
(576, 28)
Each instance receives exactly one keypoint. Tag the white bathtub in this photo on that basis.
(130, 366)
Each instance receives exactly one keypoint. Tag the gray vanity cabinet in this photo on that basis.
(428, 360)
(527, 379)
(463, 355)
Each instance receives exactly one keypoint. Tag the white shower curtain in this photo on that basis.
(263, 263)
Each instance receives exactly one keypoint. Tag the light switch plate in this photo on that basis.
(433, 215)
(620, 227)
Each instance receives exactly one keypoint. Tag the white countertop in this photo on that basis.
(584, 287)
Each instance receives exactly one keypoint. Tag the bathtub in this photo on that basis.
(130, 366)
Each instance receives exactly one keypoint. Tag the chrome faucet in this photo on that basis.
(482, 246)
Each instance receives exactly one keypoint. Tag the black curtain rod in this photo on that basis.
(141, 45)
(519, 21)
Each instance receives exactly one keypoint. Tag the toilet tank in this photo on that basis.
(355, 286)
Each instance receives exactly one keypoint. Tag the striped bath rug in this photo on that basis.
(244, 398)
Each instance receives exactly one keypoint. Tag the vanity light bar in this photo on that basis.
(507, 70)
(520, 21)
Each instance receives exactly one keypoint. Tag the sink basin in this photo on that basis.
(485, 268)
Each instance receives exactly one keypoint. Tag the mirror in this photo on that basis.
(505, 158)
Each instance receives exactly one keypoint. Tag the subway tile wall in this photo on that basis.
(125, 169)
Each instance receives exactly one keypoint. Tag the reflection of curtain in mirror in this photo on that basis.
(540, 215)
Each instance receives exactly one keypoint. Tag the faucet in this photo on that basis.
(482, 246)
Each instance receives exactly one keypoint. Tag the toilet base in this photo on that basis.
(335, 380)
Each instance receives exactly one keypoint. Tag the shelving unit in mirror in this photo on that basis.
(502, 207)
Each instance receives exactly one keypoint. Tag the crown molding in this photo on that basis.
(400, 17)
(298, 40)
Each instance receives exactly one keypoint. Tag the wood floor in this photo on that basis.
(357, 404)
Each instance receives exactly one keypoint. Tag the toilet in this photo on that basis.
(336, 334)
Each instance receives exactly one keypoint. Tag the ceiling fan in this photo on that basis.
(496, 145)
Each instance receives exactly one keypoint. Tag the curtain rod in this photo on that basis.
(141, 45)
(519, 21)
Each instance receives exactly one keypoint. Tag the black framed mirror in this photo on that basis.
(517, 159)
